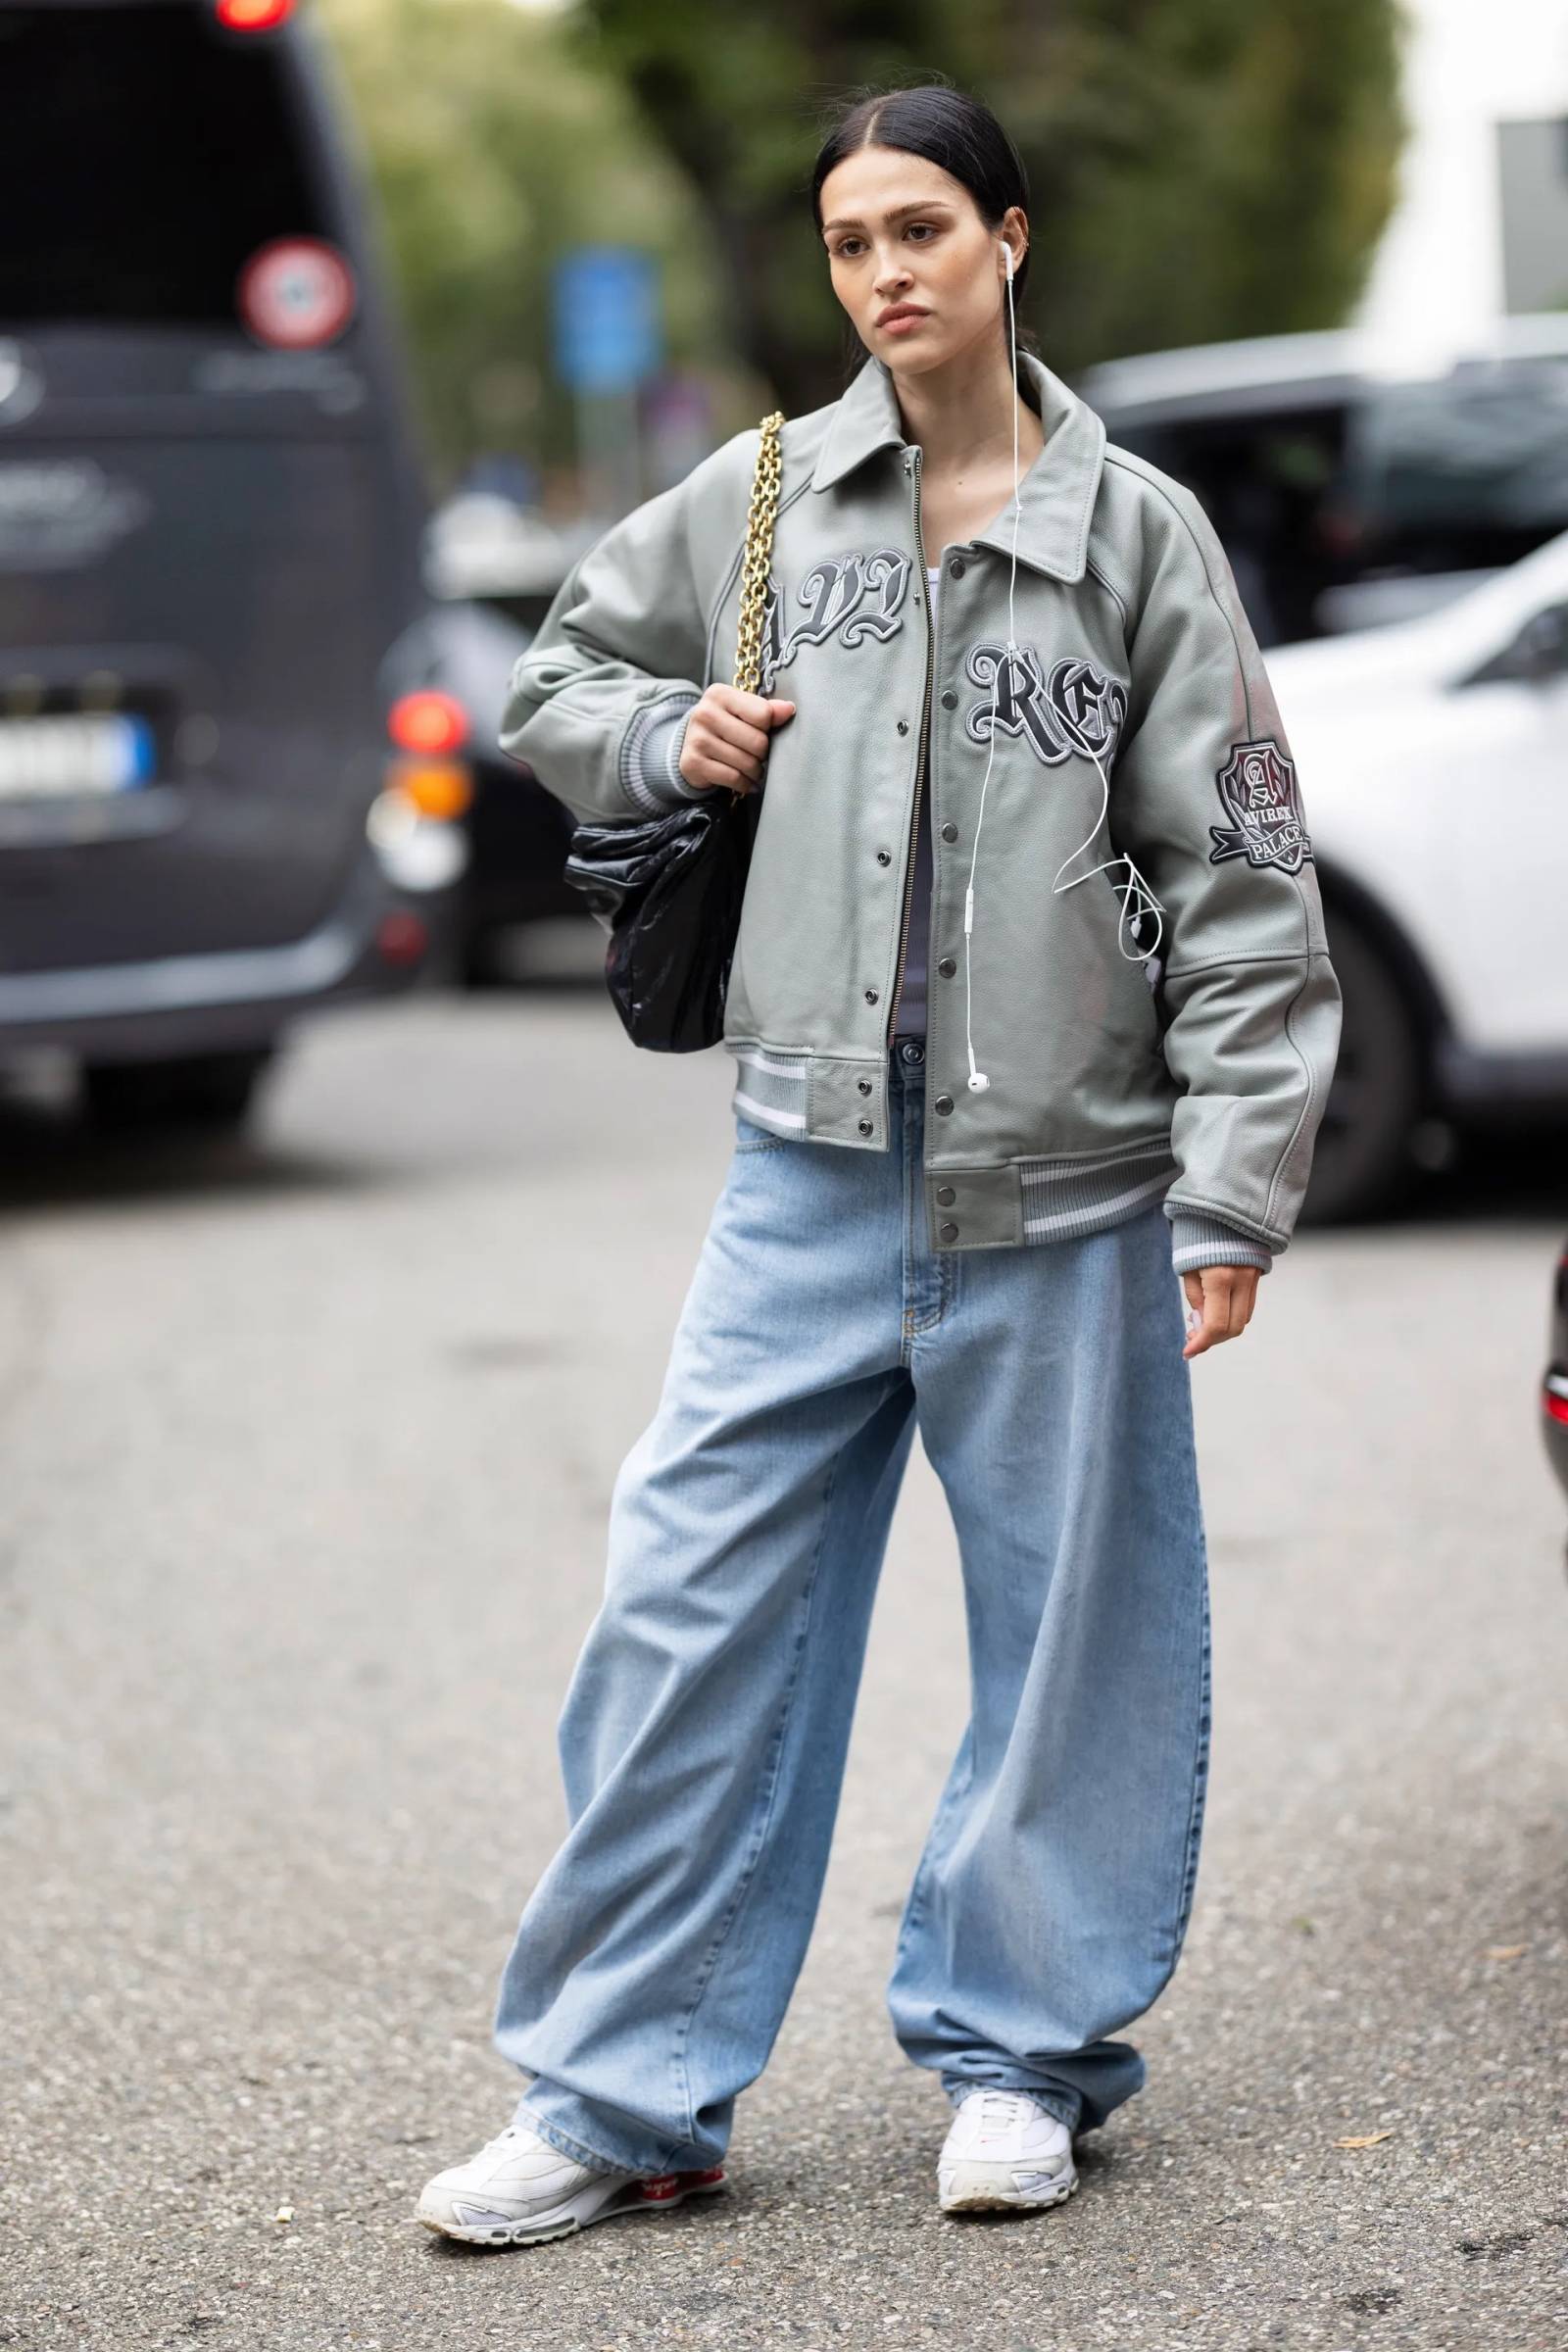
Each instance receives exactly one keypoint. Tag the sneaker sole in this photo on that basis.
(989, 2197)
(660, 2194)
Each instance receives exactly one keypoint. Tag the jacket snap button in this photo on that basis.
(950, 832)
(956, 567)
(943, 1104)
(884, 857)
(870, 995)
(904, 726)
(949, 1233)
(947, 968)
(950, 701)
(945, 1195)
(865, 1126)
(865, 1085)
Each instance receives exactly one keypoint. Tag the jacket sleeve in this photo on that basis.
(1207, 803)
(598, 704)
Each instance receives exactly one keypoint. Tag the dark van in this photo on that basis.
(219, 808)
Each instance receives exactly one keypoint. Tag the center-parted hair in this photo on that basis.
(951, 129)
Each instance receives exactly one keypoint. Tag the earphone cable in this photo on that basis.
(1137, 897)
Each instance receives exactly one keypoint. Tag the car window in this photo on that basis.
(1484, 449)
(1326, 510)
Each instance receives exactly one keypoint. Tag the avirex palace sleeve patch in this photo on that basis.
(1258, 792)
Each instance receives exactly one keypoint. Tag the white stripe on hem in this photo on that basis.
(1098, 1208)
(785, 1118)
(759, 1061)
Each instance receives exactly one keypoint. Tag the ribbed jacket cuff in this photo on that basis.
(1197, 1241)
(654, 754)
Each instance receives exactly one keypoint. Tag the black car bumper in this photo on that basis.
(162, 1005)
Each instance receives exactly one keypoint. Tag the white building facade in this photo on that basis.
(1481, 226)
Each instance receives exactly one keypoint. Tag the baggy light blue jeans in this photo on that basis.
(704, 1736)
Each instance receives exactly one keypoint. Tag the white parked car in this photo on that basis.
(1433, 759)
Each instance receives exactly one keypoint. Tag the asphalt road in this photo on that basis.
(306, 1446)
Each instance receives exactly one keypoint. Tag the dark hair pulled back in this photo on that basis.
(948, 127)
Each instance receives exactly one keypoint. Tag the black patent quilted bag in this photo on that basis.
(669, 888)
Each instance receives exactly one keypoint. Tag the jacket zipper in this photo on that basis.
(919, 774)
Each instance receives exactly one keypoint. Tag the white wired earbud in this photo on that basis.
(1146, 899)
(978, 1081)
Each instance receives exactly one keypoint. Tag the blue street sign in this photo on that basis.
(606, 317)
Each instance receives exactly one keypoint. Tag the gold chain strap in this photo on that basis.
(758, 553)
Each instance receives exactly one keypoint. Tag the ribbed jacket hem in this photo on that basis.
(1061, 1197)
(1197, 1241)
(1065, 1199)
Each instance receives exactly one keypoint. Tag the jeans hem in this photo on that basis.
(594, 2158)
(1065, 2105)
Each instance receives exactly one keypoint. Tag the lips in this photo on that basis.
(905, 312)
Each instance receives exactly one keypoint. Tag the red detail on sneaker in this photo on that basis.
(665, 2188)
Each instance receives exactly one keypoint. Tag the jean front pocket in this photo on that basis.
(749, 1136)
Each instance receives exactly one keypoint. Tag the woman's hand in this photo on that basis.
(726, 737)
(1224, 1297)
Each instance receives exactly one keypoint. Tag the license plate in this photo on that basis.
(74, 754)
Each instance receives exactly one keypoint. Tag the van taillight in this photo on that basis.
(253, 16)
(427, 722)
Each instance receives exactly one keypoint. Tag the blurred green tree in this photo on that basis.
(493, 149)
(1198, 170)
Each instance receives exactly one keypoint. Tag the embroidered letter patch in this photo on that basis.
(1076, 709)
(1257, 788)
(854, 597)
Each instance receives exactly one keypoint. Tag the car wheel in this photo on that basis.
(1362, 1162)
(193, 1090)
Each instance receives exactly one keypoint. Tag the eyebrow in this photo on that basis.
(926, 203)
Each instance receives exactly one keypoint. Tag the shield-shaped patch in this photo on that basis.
(1257, 788)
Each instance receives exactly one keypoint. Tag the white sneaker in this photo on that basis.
(1004, 2150)
(519, 2189)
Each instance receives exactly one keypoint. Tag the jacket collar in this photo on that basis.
(1055, 495)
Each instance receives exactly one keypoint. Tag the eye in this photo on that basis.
(842, 251)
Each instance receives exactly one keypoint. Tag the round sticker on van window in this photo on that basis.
(296, 292)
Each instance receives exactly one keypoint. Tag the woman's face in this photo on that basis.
(900, 230)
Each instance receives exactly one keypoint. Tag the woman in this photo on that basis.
(976, 1134)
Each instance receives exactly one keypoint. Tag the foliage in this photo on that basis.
(1198, 170)
(493, 152)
